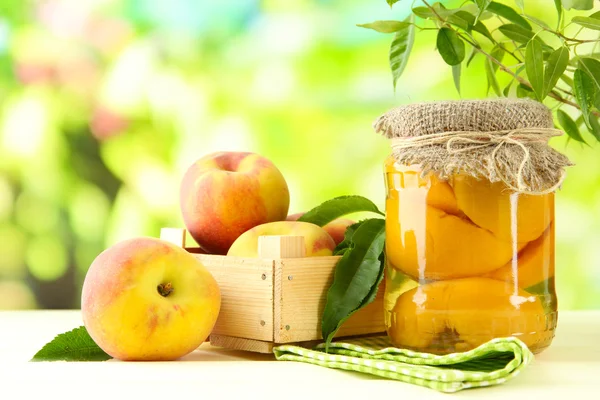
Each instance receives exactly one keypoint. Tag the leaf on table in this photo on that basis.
(338, 207)
(385, 26)
(401, 48)
(570, 127)
(534, 67)
(585, 93)
(357, 274)
(508, 13)
(555, 67)
(587, 22)
(516, 32)
(450, 46)
(75, 345)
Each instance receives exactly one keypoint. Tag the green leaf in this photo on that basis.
(482, 5)
(538, 22)
(595, 127)
(462, 19)
(338, 207)
(506, 90)
(569, 126)
(559, 8)
(595, 15)
(423, 12)
(75, 345)
(471, 55)
(592, 67)
(451, 48)
(587, 22)
(392, 2)
(456, 70)
(348, 234)
(491, 77)
(534, 67)
(498, 54)
(385, 26)
(555, 67)
(401, 48)
(585, 93)
(481, 28)
(356, 276)
(578, 4)
(524, 91)
(509, 14)
(516, 32)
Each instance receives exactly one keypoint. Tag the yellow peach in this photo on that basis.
(461, 314)
(336, 228)
(316, 240)
(224, 194)
(494, 207)
(147, 299)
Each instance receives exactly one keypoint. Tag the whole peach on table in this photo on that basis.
(146, 299)
(224, 194)
(316, 240)
(336, 228)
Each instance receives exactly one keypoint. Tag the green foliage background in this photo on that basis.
(105, 103)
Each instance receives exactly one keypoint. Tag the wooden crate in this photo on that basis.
(277, 298)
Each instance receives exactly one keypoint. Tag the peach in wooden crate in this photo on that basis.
(278, 297)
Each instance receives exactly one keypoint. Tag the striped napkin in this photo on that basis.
(492, 363)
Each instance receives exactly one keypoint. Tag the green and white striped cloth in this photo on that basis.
(492, 363)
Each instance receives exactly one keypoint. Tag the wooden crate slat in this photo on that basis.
(237, 343)
(300, 289)
(247, 298)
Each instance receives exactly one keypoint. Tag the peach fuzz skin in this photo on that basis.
(317, 241)
(224, 194)
(126, 315)
(336, 228)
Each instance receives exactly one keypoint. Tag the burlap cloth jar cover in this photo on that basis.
(499, 140)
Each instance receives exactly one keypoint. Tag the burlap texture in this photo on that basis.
(525, 163)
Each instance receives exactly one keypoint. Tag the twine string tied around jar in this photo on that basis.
(466, 141)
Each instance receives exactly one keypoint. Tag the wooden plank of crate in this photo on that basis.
(237, 343)
(300, 292)
(246, 295)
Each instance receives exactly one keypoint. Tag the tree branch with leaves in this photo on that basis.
(543, 63)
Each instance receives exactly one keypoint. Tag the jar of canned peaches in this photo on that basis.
(470, 224)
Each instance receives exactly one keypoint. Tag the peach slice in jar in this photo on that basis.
(493, 206)
(534, 263)
(459, 315)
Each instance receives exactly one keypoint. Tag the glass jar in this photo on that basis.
(467, 260)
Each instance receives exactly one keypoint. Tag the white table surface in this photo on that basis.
(569, 369)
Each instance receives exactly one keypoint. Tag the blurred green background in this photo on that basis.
(105, 103)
